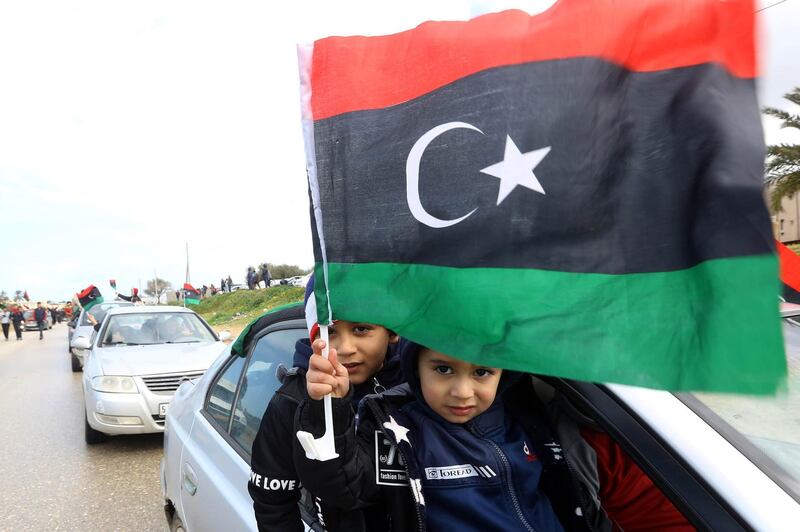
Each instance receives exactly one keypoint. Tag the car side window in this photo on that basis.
(223, 393)
(270, 359)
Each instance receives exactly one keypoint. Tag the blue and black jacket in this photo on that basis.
(409, 469)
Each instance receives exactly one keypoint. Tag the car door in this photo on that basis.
(708, 479)
(215, 465)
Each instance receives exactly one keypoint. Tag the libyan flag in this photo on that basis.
(89, 297)
(576, 193)
(191, 294)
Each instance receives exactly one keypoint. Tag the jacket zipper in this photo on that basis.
(378, 414)
(509, 480)
(507, 477)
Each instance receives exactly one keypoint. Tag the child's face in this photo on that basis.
(456, 390)
(361, 347)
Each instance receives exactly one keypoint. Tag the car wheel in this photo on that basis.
(176, 525)
(90, 435)
(76, 364)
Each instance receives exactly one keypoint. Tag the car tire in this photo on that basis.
(176, 525)
(76, 364)
(90, 435)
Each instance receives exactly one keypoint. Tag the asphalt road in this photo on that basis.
(49, 478)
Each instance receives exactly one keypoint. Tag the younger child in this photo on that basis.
(461, 447)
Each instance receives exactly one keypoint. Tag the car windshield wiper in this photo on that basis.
(182, 341)
(120, 343)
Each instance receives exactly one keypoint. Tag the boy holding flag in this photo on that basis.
(368, 352)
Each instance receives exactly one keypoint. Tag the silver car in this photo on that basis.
(83, 327)
(213, 421)
(713, 455)
(134, 364)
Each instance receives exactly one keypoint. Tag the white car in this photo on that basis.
(713, 455)
(300, 280)
(134, 364)
(213, 421)
(84, 327)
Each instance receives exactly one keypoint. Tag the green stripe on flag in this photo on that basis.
(192, 300)
(712, 327)
(95, 301)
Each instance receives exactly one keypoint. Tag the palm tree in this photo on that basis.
(783, 160)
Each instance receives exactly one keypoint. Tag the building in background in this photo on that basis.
(786, 222)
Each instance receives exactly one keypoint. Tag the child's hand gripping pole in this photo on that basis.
(323, 448)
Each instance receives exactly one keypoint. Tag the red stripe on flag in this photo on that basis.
(790, 266)
(359, 73)
(86, 291)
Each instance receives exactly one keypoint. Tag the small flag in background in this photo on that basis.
(191, 294)
(89, 297)
(790, 273)
(113, 284)
(25, 296)
(576, 193)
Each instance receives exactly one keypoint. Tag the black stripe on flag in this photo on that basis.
(646, 172)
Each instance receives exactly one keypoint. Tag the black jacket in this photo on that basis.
(40, 314)
(274, 485)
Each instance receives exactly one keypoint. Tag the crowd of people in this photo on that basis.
(13, 315)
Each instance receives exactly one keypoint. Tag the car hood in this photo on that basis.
(155, 359)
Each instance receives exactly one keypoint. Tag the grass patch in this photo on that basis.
(235, 310)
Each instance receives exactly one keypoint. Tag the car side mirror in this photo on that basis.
(225, 335)
(81, 342)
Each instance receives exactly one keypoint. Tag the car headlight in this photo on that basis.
(111, 384)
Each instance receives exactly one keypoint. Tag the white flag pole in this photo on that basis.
(316, 448)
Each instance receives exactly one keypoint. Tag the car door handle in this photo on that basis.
(189, 480)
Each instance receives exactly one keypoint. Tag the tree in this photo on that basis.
(283, 271)
(783, 160)
(162, 285)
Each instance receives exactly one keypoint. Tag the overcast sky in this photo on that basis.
(130, 128)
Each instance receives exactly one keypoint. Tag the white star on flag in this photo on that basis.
(516, 168)
(400, 432)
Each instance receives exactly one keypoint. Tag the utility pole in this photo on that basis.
(155, 287)
(187, 275)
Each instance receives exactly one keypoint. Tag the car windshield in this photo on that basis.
(156, 328)
(765, 429)
(99, 311)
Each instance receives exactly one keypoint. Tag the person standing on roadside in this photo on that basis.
(17, 318)
(5, 321)
(41, 317)
(229, 284)
(265, 274)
